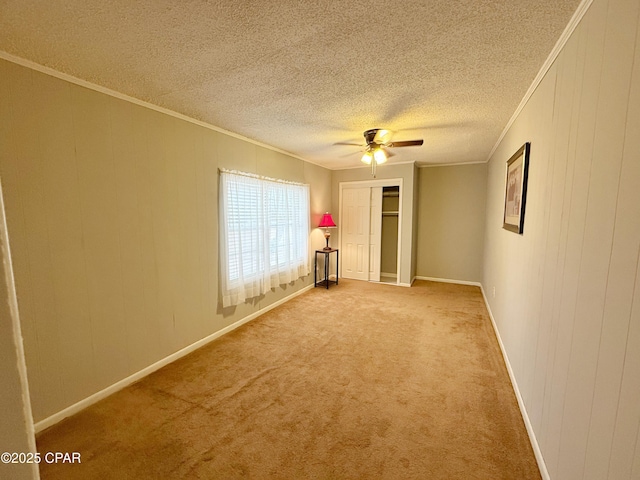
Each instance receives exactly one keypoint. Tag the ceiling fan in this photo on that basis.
(377, 141)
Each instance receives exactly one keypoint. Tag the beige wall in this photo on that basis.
(451, 216)
(389, 244)
(406, 173)
(112, 214)
(389, 241)
(16, 423)
(567, 301)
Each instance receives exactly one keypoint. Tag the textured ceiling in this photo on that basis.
(303, 75)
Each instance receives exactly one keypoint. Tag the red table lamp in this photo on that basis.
(327, 223)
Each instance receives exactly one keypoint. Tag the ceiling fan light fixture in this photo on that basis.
(379, 155)
(377, 140)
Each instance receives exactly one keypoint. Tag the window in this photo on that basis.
(264, 235)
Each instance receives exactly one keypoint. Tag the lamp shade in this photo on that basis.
(379, 155)
(326, 221)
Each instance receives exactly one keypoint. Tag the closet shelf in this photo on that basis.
(390, 213)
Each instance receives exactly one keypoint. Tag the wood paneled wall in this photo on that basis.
(112, 211)
(567, 302)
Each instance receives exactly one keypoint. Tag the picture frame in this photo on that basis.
(515, 194)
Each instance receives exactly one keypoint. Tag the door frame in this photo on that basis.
(383, 182)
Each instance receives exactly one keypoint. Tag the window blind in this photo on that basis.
(264, 235)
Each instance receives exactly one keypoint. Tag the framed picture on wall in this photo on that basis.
(515, 195)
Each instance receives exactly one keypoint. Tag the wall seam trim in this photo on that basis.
(17, 340)
(119, 385)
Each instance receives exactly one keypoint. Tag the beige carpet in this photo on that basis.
(361, 381)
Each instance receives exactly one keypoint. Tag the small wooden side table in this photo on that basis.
(326, 280)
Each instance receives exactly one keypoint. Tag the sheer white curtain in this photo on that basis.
(264, 235)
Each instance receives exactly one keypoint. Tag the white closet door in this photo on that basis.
(375, 233)
(355, 215)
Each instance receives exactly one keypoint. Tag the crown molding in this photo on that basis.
(121, 96)
(564, 38)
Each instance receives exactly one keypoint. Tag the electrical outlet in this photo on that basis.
(493, 292)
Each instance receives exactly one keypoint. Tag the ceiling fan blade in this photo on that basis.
(350, 144)
(406, 143)
(345, 155)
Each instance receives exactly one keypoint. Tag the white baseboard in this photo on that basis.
(523, 409)
(82, 404)
(96, 397)
(447, 280)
